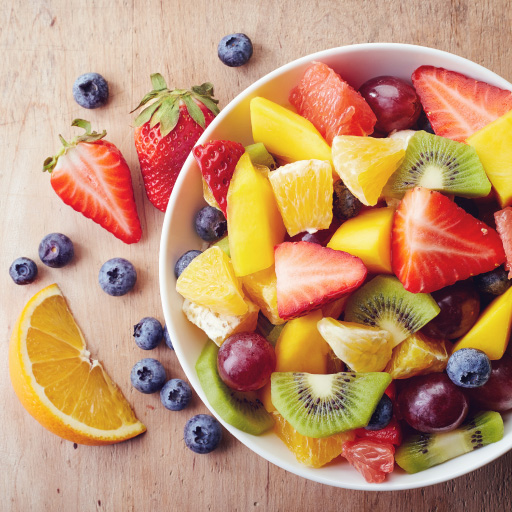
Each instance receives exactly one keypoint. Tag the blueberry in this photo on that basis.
(494, 282)
(184, 261)
(175, 395)
(235, 50)
(210, 224)
(56, 250)
(424, 124)
(382, 414)
(23, 271)
(202, 433)
(148, 333)
(469, 368)
(90, 90)
(148, 375)
(345, 204)
(167, 338)
(117, 277)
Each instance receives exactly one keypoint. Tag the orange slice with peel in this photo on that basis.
(57, 382)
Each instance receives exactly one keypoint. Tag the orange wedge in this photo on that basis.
(57, 382)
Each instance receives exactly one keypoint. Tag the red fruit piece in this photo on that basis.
(392, 433)
(217, 160)
(329, 102)
(456, 105)
(166, 132)
(374, 460)
(309, 276)
(435, 243)
(91, 175)
(503, 220)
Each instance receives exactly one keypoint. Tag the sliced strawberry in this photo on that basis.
(456, 105)
(217, 160)
(309, 276)
(374, 460)
(392, 433)
(91, 176)
(503, 220)
(435, 243)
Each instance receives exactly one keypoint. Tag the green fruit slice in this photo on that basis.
(323, 405)
(241, 410)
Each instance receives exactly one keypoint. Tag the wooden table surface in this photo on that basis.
(44, 46)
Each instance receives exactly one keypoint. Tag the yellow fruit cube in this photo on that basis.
(367, 236)
(303, 191)
(493, 144)
(255, 225)
(209, 280)
(285, 133)
(491, 332)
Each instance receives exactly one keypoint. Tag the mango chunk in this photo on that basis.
(367, 236)
(255, 225)
(286, 134)
(491, 331)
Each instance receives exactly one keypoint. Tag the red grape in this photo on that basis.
(432, 403)
(393, 101)
(245, 361)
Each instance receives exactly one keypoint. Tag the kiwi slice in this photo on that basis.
(242, 410)
(439, 164)
(260, 156)
(384, 302)
(268, 330)
(422, 451)
(223, 243)
(323, 405)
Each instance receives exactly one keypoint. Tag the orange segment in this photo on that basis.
(57, 382)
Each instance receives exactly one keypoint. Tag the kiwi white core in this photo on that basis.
(321, 385)
(432, 178)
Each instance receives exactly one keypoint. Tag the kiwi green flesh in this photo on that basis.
(241, 410)
(383, 302)
(260, 156)
(422, 451)
(268, 330)
(223, 244)
(323, 405)
(439, 164)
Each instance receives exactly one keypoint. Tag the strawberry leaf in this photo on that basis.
(158, 82)
(195, 112)
(146, 114)
(169, 117)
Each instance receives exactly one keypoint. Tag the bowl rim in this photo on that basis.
(492, 451)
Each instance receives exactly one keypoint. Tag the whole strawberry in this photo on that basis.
(166, 132)
(91, 175)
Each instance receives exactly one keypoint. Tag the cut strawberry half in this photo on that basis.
(503, 220)
(374, 460)
(392, 433)
(217, 160)
(435, 243)
(456, 105)
(309, 276)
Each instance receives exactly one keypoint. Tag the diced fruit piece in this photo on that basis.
(255, 225)
(420, 452)
(392, 433)
(223, 244)
(217, 160)
(384, 303)
(303, 192)
(285, 133)
(491, 332)
(209, 280)
(456, 105)
(439, 164)
(334, 309)
(323, 405)
(210, 224)
(367, 236)
(241, 410)
(493, 144)
(217, 326)
(418, 355)
(374, 460)
(362, 348)
(311, 451)
(208, 196)
(494, 282)
(436, 243)
(329, 102)
(269, 330)
(184, 261)
(260, 156)
(345, 205)
(309, 276)
(366, 163)
(503, 220)
(58, 383)
(469, 368)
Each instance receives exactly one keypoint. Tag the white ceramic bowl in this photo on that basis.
(356, 64)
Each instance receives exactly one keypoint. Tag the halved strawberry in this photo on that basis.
(503, 220)
(435, 243)
(456, 105)
(372, 459)
(90, 175)
(392, 433)
(217, 160)
(309, 276)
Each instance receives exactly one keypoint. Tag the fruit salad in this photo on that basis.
(354, 284)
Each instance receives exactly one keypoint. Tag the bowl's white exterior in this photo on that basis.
(356, 64)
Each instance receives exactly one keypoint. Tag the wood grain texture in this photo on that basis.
(44, 46)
